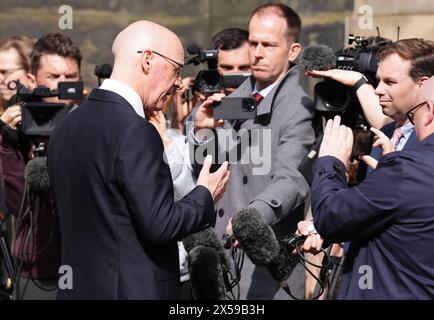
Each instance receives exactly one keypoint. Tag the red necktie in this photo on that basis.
(258, 98)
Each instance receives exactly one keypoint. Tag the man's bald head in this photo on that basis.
(142, 35)
(148, 58)
(422, 113)
(426, 92)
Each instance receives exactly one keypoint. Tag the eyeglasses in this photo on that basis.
(410, 114)
(178, 66)
(6, 72)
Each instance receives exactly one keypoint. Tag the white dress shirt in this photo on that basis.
(126, 92)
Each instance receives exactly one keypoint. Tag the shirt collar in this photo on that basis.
(266, 91)
(407, 129)
(125, 92)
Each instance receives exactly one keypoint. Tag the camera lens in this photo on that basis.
(248, 105)
(208, 81)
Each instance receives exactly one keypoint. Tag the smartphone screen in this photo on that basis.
(362, 143)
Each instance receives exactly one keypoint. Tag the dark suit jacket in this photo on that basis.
(114, 194)
(389, 220)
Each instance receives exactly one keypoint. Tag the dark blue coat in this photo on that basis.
(389, 219)
(114, 194)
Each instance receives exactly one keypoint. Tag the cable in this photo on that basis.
(237, 257)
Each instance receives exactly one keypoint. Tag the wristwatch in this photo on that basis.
(360, 83)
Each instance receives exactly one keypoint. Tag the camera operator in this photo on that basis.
(54, 58)
(232, 58)
(388, 217)
(14, 65)
(403, 67)
(285, 112)
(233, 51)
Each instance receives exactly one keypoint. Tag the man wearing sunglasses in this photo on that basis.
(388, 217)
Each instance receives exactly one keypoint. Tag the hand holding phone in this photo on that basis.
(362, 145)
(235, 108)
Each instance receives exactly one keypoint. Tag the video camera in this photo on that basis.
(206, 81)
(334, 98)
(331, 96)
(39, 118)
(210, 80)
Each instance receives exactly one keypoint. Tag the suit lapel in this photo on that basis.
(266, 105)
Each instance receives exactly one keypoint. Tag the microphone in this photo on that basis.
(261, 245)
(194, 52)
(206, 276)
(207, 238)
(103, 71)
(193, 48)
(318, 57)
(36, 174)
(207, 264)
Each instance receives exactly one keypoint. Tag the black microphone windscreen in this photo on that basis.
(36, 174)
(256, 237)
(103, 70)
(206, 275)
(193, 49)
(207, 238)
(319, 57)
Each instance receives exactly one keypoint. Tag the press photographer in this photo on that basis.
(228, 66)
(54, 59)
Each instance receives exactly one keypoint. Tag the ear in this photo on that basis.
(430, 117)
(294, 51)
(146, 61)
(31, 81)
(422, 80)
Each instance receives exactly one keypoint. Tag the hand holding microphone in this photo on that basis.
(260, 244)
(229, 239)
(314, 241)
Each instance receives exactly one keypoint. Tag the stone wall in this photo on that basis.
(96, 23)
(415, 18)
